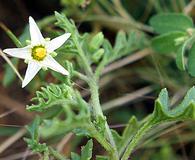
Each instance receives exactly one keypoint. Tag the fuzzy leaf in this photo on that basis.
(96, 41)
(50, 95)
(33, 128)
(168, 22)
(121, 39)
(184, 111)
(86, 151)
(165, 43)
(180, 58)
(191, 61)
(75, 156)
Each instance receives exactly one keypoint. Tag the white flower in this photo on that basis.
(39, 53)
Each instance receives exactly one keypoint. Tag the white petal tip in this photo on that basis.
(68, 34)
(23, 85)
(30, 18)
(66, 73)
(5, 50)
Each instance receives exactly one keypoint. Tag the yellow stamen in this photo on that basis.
(39, 53)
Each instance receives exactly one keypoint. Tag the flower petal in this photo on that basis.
(51, 63)
(23, 53)
(35, 33)
(31, 71)
(57, 42)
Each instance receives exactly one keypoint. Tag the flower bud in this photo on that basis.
(98, 55)
(96, 41)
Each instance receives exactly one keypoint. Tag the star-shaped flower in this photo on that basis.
(39, 53)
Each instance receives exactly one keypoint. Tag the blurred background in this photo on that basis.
(128, 86)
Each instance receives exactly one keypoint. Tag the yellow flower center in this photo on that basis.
(39, 53)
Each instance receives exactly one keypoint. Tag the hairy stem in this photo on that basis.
(94, 93)
(98, 112)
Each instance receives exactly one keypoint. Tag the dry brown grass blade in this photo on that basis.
(8, 142)
(126, 98)
(19, 108)
(128, 60)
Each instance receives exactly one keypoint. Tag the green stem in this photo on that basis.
(140, 133)
(81, 76)
(92, 81)
(84, 59)
(98, 112)
(100, 139)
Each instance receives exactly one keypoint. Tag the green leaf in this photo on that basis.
(86, 151)
(33, 128)
(120, 41)
(168, 22)
(50, 95)
(184, 111)
(166, 43)
(75, 156)
(180, 58)
(35, 146)
(10, 75)
(164, 113)
(191, 60)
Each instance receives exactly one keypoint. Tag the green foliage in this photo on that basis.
(96, 41)
(33, 128)
(168, 22)
(166, 43)
(86, 152)
(163, 113)
(64, 110)
(75, 156)
(177, 35)
(98, 49)
(191, 60)
(51, 96)
(184, 111)
(33, 142)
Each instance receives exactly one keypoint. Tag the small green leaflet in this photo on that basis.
(86, 152)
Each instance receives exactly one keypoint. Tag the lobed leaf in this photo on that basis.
(184, 111)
